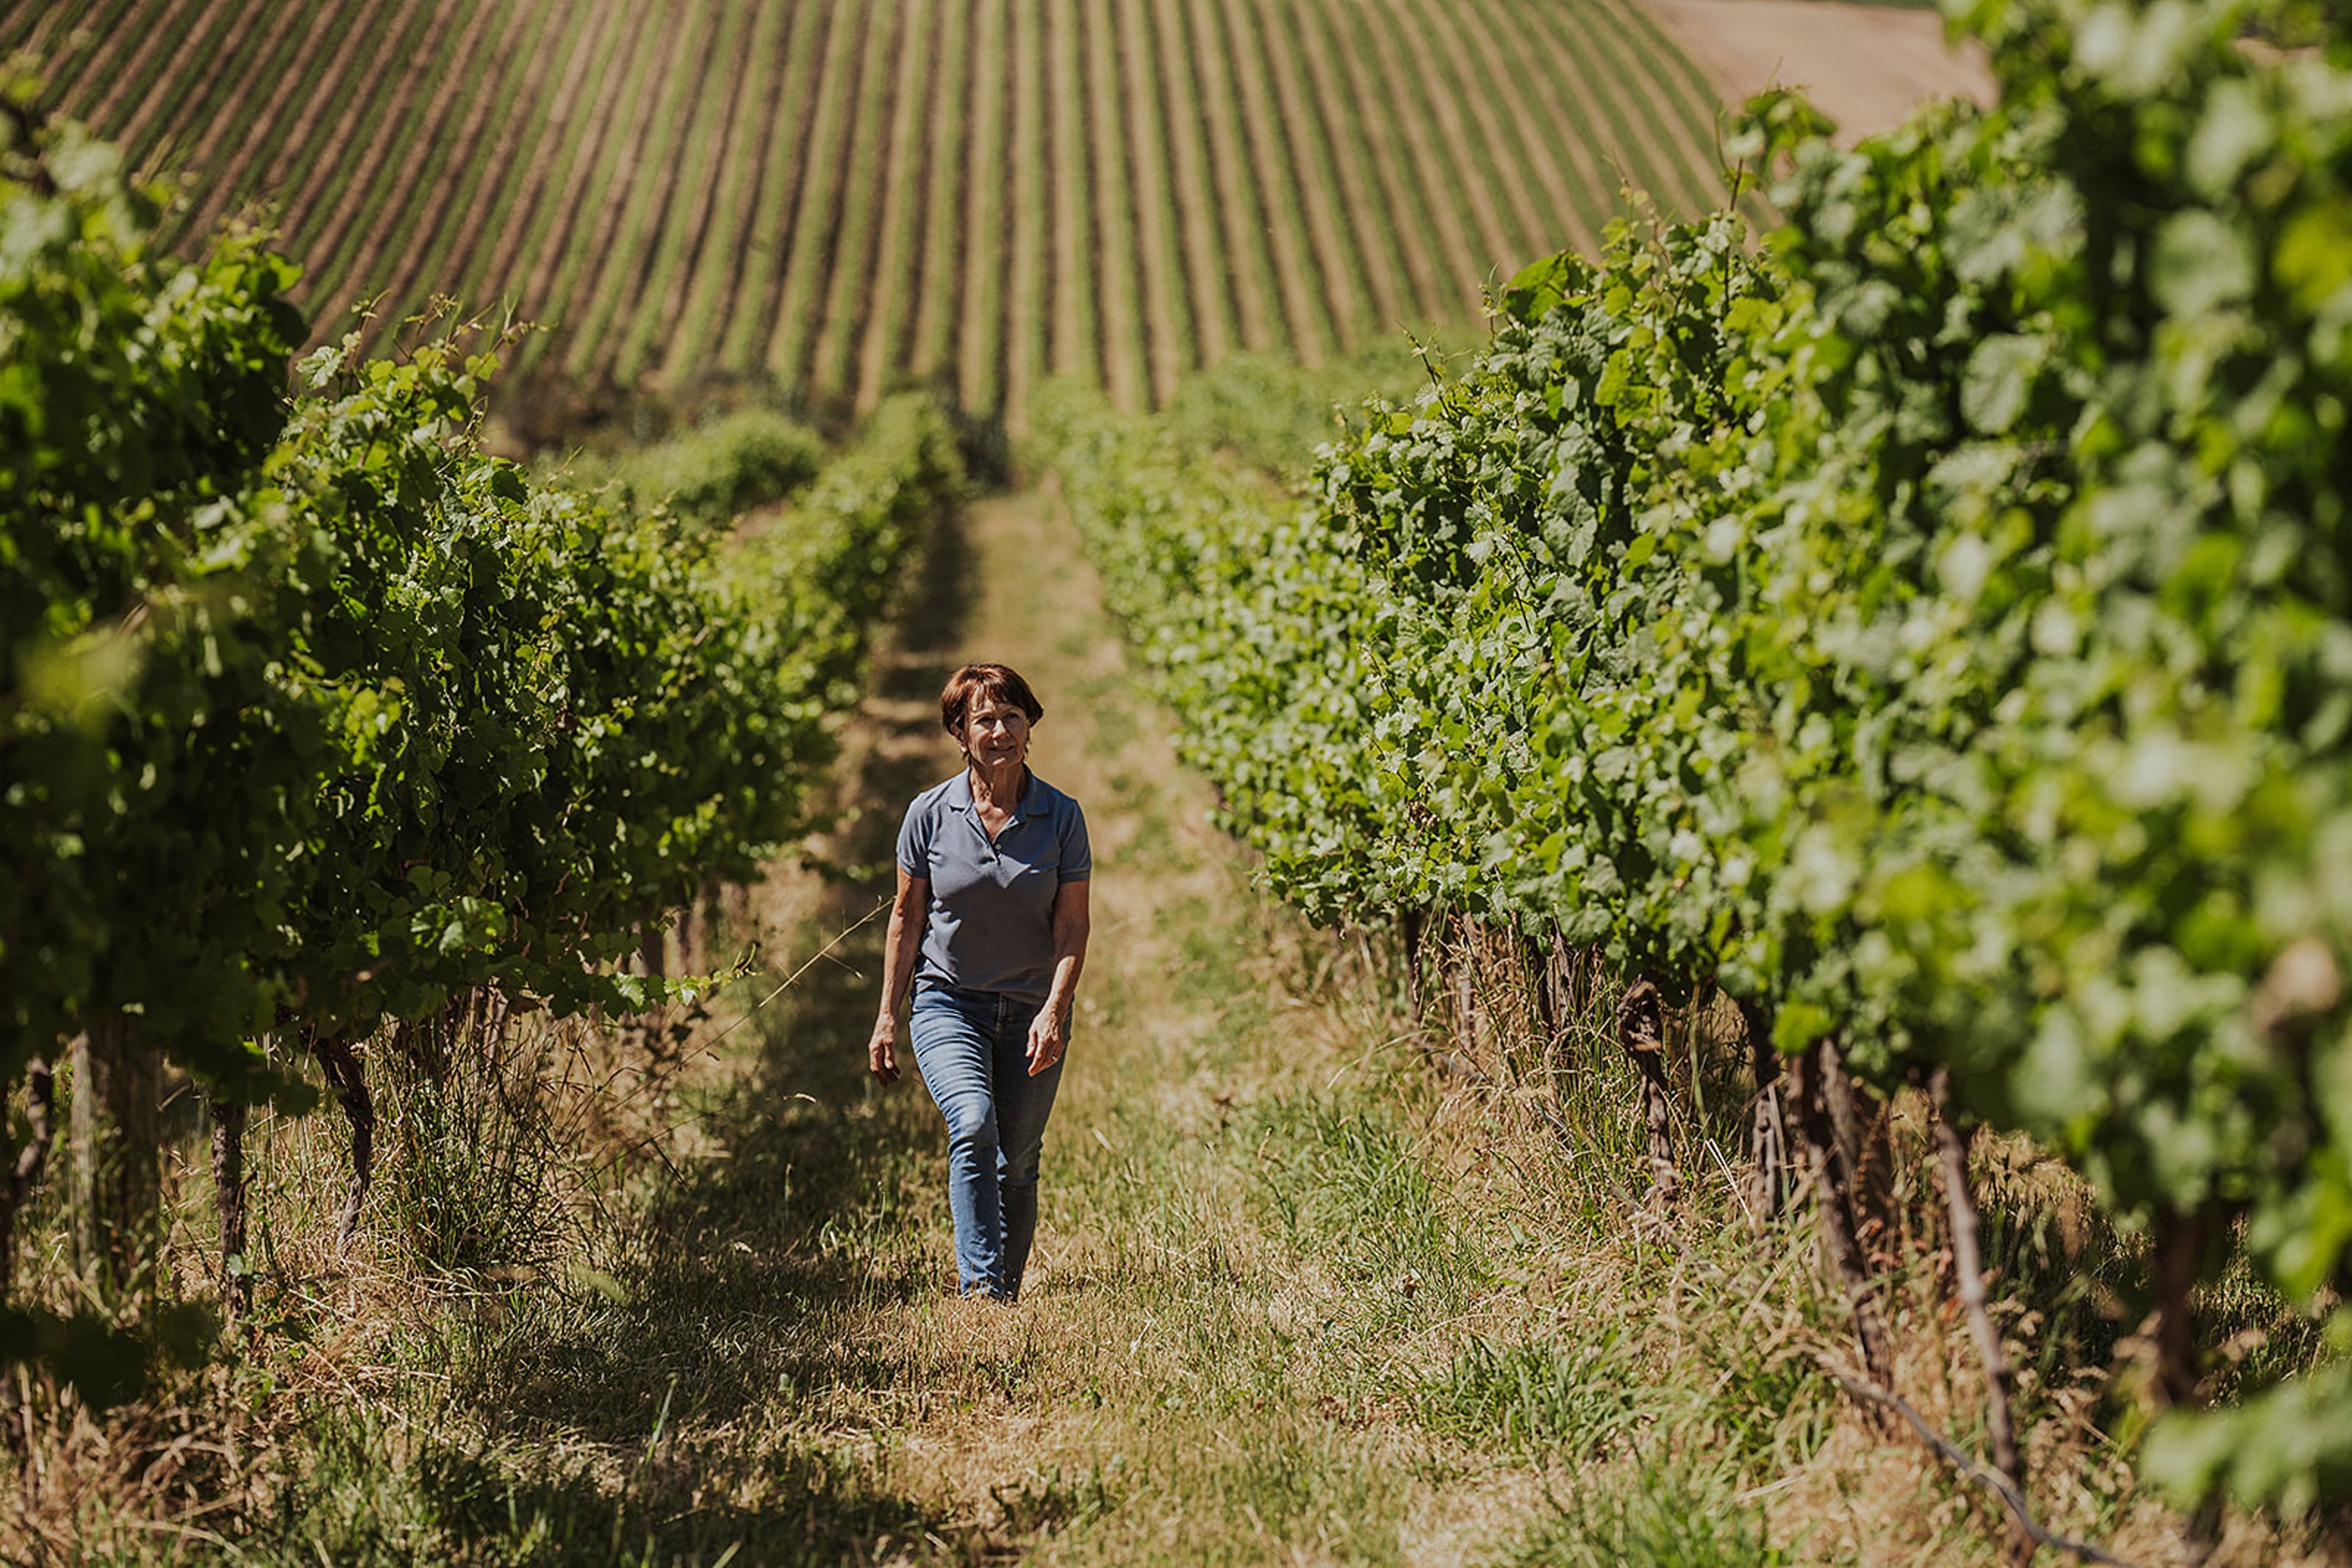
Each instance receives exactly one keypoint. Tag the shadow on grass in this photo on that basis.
(745, 1332)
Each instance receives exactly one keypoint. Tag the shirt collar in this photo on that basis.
(960, 795)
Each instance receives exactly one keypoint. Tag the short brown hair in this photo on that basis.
(1000, 682)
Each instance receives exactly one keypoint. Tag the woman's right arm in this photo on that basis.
(909, 911)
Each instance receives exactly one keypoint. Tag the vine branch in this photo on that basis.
(1969, 1470)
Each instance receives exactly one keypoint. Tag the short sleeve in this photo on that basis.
(1077, 857)
(915, 841)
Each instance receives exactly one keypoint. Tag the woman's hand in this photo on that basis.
(899, 952)
(1049, 1036)
(882, 1051)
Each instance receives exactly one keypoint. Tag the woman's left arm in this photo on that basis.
(1049, 1035)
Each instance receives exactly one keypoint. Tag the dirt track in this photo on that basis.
(1866, 66)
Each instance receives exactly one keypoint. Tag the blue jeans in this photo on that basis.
(973, 1048)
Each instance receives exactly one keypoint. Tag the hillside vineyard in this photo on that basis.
(837, 193)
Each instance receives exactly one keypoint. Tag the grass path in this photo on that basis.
(1241, 1274)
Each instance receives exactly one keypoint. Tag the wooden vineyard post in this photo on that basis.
(1967, 1271)
(1465, 996)
(116, 1177)
(1832, 1187)
(1536, 957)
(348, 1077)
(1767, 1135)
(1865, 1149)
(1641, 1029)
(228, 1119)
(1410, 925)
(2179, 1246)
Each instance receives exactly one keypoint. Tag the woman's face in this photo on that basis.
(995, 734)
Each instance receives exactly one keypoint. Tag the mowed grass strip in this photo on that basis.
(697, 306)
(122, 83)
(583, 191)
(977, 344)
(1560, 103)
(1542, 198)
(233, 133)
(1399, 204)
(1072, 343)
(829, 197)
(1458, 211)
(242, 139)
(326, 180)
(577, 233)
(924, 347)
(1627, 122)
(1679, 107)
(219, 37)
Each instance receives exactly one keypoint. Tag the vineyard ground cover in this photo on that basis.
(926, 325)
(975, 350)
(1611, 91)
(1159, 213)
(1119, 317)
(1306, 275)
(1343, 146)
(1416, 239)
(753, 268)
(357, 124)
(1207, 261)
(1513, 76)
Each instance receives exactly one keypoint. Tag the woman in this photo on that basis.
(989, 924)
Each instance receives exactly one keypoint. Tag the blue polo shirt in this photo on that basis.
(991, 926)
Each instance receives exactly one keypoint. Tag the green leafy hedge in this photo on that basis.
(313, 713)
(1933, 625)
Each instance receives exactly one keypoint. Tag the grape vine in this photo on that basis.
(314, 715)
(1929, 621)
